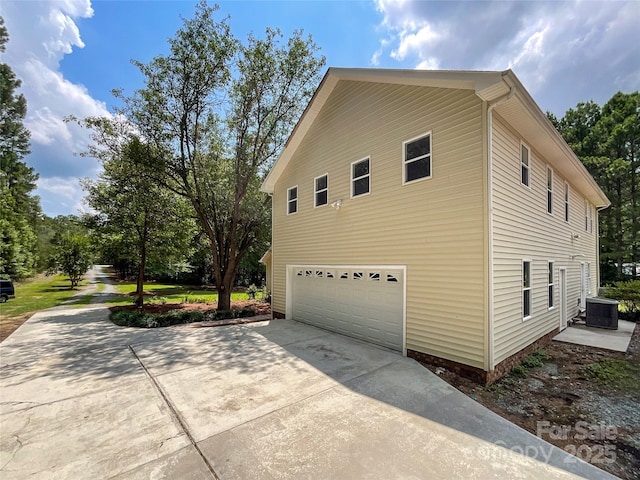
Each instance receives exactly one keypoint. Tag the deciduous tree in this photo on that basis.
(19, 210)
(217, 113)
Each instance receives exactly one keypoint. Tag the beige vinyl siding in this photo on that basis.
(523, 230)
(435, 227)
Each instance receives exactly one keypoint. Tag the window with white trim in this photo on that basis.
(566, 202)
(321, 189)
(549, 190)
(586, 215)
(360, 177)
(526, 289)
(524, 164)
(416, 158)
(551, 285)
(591, 208)
(292, 200)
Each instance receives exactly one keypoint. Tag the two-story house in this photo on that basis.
(436, 213)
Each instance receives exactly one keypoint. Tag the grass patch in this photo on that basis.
(141, 319)
(615, 373)
(165, 293)
(38, 293)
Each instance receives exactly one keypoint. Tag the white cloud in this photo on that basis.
(415, 42)
(564, 52)
(61, 195)
(41, 33)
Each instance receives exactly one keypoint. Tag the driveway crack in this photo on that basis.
(175, 414)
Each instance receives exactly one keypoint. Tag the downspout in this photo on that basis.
(598, 210)
(491, 106)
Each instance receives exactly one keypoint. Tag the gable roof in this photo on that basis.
(519, 110)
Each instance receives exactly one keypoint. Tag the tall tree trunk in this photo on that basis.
(619, 236)
(224, 295)
(634, 213)
(140, 283)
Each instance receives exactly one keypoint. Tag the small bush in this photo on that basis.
(245, 313)
(628, 295)
(252, 291)
(134, 318)
(536, 359)
(224, 314)
(519, 371)
(265, 295)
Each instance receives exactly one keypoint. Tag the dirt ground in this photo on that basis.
(562, 405)
(10, 325)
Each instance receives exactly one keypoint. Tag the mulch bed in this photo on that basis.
(260, 308)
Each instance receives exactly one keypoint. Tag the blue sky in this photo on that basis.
(70, 54)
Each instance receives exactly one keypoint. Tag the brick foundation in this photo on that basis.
(477, 374)
(277, 315)
(508, 363)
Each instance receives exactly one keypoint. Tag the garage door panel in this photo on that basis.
(365, 303)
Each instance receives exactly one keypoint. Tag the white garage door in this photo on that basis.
(365, 303)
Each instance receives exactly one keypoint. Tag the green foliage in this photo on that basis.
(628, 296)
(73, 256)
(615, 373)
(36, 294)
(252, 291)
(135, 318)
(607, 140)
(151, 223)
(141, 319)
(215, 113)
(536, 359)
(19, 209)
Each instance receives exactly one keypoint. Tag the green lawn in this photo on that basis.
(171, 294)
(38, 293)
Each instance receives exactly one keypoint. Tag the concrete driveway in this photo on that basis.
(82, 398)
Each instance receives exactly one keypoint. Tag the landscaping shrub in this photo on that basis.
(628, 295)
(135, 318)
(224, 314)
(536, 359)
(245, 313)
(251, 292)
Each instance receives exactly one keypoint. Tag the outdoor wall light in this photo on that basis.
(337, 204)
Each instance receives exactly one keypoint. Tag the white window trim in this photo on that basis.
(551, 265)
(297, 200)
(315, 192)
(352, 180)
(586, 215)
(404, 160)
(588, 277)
(567, 206)
(529, 165)
(523, 288)
(591, 208)
(550, 190)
